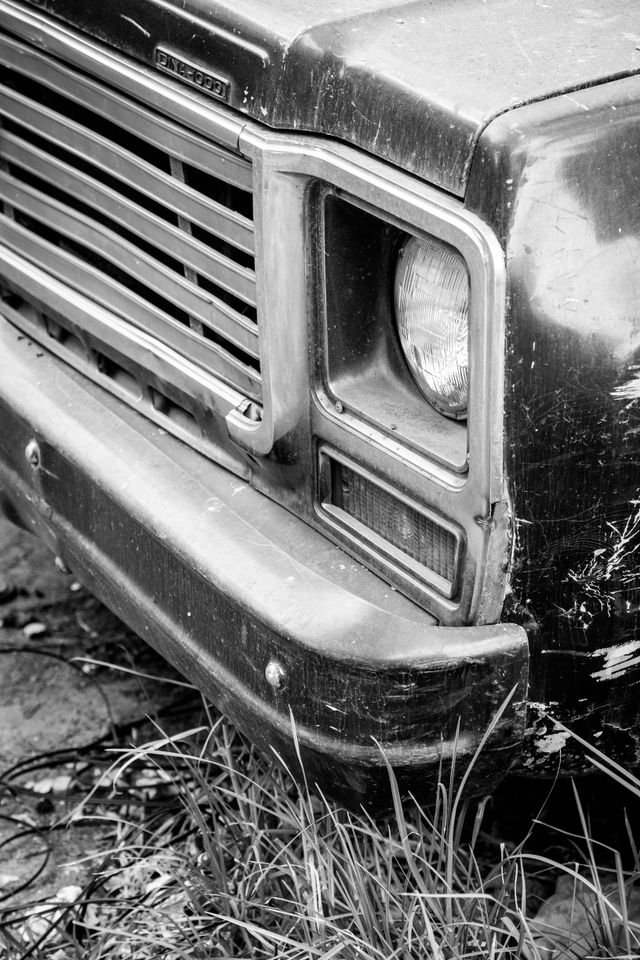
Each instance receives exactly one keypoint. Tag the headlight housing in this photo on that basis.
(432, 313)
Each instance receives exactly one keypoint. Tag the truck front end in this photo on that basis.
(262, 379)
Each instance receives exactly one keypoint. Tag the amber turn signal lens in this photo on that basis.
(432, 314)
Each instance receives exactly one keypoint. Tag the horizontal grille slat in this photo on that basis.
(136, 365)
(108, 104)
(126, 303)
(88, 145)
(189, 251)
(122, 254)
(146, 218)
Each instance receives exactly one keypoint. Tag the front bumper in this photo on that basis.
(224, 583)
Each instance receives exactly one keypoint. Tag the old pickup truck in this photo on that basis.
(320, 360)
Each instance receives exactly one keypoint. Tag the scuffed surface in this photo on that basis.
(571, 227)
(411, 82)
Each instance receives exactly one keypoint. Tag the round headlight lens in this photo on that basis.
(432, 313)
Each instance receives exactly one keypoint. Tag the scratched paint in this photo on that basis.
(572, 242)
(416, 89)
(617, 660)
(135, 24)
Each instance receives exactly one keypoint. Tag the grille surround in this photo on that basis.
(278, 451)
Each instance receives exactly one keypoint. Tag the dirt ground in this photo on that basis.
(60, 714)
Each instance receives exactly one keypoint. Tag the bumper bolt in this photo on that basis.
(32, 453)
(275, 674)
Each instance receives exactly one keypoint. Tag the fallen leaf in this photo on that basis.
(570, 921)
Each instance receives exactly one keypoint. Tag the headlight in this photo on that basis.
(432, 313)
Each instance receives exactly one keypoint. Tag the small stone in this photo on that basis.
(61, 566)
(69, 894)
(55, 785)
(61, 784)
(7, 591)
(34, 629)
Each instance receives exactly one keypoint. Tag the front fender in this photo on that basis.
(558, 181)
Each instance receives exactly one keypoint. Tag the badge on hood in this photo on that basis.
(209, 83)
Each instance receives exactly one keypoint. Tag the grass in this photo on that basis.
(209, 849)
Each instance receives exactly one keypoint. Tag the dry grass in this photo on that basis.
(211, 850)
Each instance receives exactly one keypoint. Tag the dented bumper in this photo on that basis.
(255, 607)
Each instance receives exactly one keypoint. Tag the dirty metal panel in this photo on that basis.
(412, 82)
(571, 229)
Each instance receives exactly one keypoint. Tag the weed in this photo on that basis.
(216, 852)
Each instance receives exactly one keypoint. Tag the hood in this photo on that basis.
(413, 83)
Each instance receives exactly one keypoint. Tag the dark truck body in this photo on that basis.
(181, 443)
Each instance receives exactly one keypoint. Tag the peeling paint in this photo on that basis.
(537, 705)
(629, 390)
(552, 742)
(617, 660)
(547, 737)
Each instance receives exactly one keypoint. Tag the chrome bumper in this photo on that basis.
(258, 609)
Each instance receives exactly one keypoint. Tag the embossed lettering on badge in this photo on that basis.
(190, 73)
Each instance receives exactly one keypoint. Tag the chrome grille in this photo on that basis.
(134, 211)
